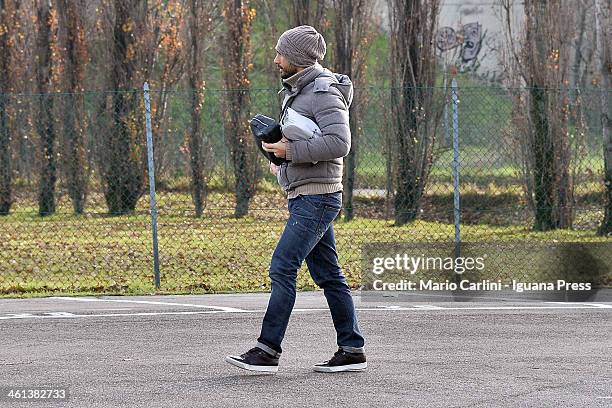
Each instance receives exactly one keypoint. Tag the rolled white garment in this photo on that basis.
(298, 127)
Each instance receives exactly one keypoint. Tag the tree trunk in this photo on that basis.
(6, 171)
(352, 24)
(349, 178)
(407, 195)
(605, 65)
(22, 80)
(237, 62)
(543, 170)
(270, 9)
(124, 174)
(578, 46)
(73, 40)
(5, 145)
(545, 49)
(45, 119)
(344, 64)
(198, 183)
(414, 115)
(308, 12)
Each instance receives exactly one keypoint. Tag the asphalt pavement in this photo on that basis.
(168, 351)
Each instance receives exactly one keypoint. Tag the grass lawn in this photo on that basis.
(95, 253)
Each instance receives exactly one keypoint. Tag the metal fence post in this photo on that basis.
(152, 200)
(445, 120)
(456, 193)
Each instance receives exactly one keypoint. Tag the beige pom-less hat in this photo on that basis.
(303, 46)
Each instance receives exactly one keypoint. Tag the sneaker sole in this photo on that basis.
(262, 369)
(338, 369)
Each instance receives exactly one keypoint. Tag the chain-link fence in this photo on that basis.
(74, 182)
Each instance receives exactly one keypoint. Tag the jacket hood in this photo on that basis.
(344, 85)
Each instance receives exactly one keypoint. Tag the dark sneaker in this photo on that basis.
(343, 361)
(255, 360)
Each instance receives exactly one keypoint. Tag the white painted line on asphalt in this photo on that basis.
(445, 308)
(602, 305)
(59, 314)
(430, 307)
(14, 316)
(30, 316)
(584, 306)
(147, 302)
(18, 316)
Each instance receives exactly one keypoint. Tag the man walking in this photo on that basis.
(312, 179)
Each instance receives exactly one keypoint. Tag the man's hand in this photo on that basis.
(274, 168)
(279, 149)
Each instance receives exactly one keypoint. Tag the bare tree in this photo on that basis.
(123, 169)
(308, 12)
(550, 150)
(45, 123)
(412, 104)
(201, 13)
(163, 61)
(581, 57)
(236, 66)
(353, 23)
(74, 59)
(271, 10)
(543, 63)
(604, 52)
(6, 172)
(22, 74)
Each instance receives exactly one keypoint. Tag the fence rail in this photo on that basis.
(86, 172)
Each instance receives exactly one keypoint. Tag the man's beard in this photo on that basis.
(287, 74)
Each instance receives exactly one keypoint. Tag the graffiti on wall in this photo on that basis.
(465, 44)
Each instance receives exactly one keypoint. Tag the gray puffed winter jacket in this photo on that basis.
(315, 164)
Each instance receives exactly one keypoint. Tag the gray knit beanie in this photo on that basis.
(302, 46)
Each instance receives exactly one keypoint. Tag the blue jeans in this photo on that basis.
(309, 235)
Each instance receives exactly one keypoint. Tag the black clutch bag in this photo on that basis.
(267, 130)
